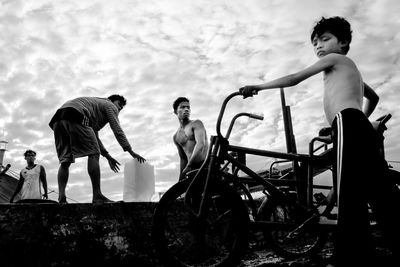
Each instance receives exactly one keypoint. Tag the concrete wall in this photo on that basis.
(115, 234)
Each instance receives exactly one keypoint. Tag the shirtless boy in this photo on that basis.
(358, 177)
(190, 138)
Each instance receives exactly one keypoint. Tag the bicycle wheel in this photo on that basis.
(297, 233)
(182, 239)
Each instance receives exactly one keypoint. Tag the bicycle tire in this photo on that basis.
(286, 241)
(223, 236)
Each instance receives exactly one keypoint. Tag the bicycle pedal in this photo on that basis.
(319, 197)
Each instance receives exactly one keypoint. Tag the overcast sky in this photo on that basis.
(155, 51)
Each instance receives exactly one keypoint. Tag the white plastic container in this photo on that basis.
(139, 184)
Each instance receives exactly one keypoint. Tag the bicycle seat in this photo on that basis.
(326, 131)
(325, 135)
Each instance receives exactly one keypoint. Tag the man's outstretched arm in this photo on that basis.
(119, 134)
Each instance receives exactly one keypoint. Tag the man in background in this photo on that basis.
(190, 138)
(31, 179)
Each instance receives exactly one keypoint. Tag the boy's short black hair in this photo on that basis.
(178, 101)
(337, 26)
(122, 100)
(29, 151)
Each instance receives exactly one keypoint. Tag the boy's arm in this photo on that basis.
(324, 63)
(371, 100)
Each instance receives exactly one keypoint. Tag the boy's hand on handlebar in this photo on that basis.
(248, 91)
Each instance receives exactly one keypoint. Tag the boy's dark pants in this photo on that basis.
(360, 181)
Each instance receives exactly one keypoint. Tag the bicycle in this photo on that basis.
(205, 219)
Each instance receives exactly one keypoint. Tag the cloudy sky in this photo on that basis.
(155, 51)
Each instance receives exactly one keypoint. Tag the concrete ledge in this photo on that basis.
(114, 234)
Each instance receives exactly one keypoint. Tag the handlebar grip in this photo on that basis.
(257, 117)
(386, 118)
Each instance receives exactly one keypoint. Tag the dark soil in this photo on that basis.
(257, 257)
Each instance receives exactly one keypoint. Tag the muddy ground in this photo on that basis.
(258, 257)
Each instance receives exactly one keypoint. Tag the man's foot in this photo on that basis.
(101, 200)
(62, 200)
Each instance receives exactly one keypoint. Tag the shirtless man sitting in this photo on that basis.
(190, 138)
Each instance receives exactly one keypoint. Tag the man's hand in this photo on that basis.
(114, 164)
(45, 196)
(184, 172)
(248, 91)
(137, 156)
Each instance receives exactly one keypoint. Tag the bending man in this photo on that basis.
(76, 125)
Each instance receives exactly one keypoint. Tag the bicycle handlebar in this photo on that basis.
(383, 119)
(221, 112)
(253, 116)
(381, 126)
(257, 117)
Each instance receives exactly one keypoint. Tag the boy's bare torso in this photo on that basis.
(343, 87)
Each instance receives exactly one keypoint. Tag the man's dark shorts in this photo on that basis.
(74, 140)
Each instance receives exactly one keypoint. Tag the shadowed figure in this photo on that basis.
(76, 125)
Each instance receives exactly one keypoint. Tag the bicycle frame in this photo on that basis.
(219, 152)
(217, 202)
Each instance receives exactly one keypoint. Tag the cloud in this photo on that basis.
(155, 51)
